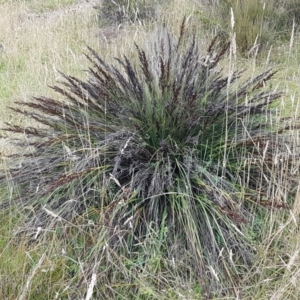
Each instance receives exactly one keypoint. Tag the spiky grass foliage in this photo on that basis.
(170, 151)
(258, 24)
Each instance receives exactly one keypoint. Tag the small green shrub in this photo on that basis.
(173, 154)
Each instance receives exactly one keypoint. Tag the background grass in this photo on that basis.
(39, 39)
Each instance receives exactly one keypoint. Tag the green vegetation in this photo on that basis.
(168, 169)
(257, 24)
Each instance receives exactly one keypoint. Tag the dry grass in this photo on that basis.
(33, 47)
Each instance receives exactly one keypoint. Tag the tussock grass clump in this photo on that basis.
(258, 24)
(128, 11)
(170, 151)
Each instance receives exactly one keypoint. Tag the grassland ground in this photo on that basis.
(40, 38)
